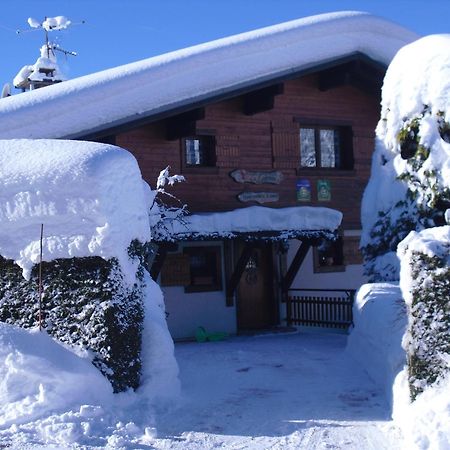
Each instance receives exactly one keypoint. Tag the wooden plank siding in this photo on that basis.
(266, 141)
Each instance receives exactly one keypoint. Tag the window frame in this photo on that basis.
(324, 268)
(209, 144)
(346, 153)
(217, 283)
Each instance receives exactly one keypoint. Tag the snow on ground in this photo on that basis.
(278, 391)
(286, 391)
(189, 75)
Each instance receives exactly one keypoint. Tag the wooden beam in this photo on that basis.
(262, 99)
(161, 253)
(238, 270)
(295, 266)
(357, 73)
(183, 124)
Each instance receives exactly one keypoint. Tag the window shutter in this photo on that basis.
(347, 159)
(285, 144)
(227, 151)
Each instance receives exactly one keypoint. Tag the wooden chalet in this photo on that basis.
(298, 137)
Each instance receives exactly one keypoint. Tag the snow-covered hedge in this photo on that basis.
(93, 204)
(85, 304)
(425, 283)
(409, 188)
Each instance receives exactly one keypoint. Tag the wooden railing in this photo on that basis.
(331, 308)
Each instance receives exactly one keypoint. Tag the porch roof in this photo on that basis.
(256, 222)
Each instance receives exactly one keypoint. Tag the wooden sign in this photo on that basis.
(259, 197)
(255, 177)
(323, 191)
(176, 270)
(303, 189)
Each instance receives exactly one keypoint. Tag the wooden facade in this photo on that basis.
(264, 141)
(256, 137)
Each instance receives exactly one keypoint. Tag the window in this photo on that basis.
(199, 151)
(326, 147)
(205, 268)
(329, 256)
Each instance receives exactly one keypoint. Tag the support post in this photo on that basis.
(238, 270)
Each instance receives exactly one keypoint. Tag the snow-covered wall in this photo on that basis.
(90, 198)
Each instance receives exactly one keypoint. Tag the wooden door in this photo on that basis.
(255, 299)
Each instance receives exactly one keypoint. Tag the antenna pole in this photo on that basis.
(40, 278)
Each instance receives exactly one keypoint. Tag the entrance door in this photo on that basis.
(255, 299)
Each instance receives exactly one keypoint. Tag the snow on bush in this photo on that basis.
(409, 187)
(425, 283)
(379, 318)
(51, 394)
(425, 422)
(404, 212)
(87, 304)
(90, 198)
(94, 207)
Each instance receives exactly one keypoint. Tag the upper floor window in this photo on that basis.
(326, 147)
(199, 151)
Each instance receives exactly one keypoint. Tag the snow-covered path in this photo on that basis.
(287, 391)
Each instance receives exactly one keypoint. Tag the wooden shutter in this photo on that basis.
(227, 151)
(285, 144)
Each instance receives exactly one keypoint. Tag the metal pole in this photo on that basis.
(40, 278)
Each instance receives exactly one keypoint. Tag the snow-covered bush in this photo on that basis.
(163, 214)
(409, 186)
(85, 304)
(425, 283)
(94, 207)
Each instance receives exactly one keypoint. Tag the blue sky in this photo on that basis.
(117, 32)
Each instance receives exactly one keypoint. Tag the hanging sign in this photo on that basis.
(323, 190)
(259, 197)
(247, 176)
(303, 189)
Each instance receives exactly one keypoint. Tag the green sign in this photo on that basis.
(323, 190)
(303, 189)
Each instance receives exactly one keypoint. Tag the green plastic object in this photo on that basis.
(202, 336)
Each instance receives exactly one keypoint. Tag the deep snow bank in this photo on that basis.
(89, 196)
(380, 321)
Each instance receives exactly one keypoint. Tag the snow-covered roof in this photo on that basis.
(280, 223)
(90, 198)
(168, 82)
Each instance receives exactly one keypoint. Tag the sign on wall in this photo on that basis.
(257, 177)
(258, 197)
(303, 189)
(323, 190)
